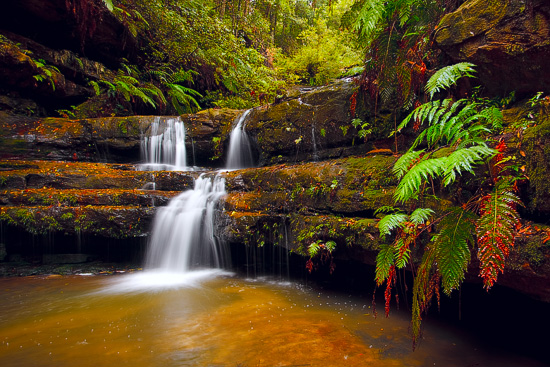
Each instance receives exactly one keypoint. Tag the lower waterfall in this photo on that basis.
(183, 235)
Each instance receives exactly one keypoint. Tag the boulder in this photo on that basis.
(509, 41)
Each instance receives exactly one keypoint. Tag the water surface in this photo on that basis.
(211, 318)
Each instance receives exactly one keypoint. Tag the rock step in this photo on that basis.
(106, 221)
(83, 175)
(84, 197)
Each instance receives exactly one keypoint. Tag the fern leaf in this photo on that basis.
(496, 230)
(410, 184)
(390, 222)
(402, 253)
(464, 160)
(405, 162)
(368, 17)
(384, 261)
(452, 246)
(447, 76)
(420, 215)
(423, 289)
(493, 116)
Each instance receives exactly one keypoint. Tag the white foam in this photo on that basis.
(158, 280)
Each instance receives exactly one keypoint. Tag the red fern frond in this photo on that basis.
(390, 281)
(496, 230)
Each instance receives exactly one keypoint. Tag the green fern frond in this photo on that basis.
(452, 246)
(423, 290)
(370, 14)
(385, 209)
(402, 253)
(421, 172)
(390, 222)
(384, 261)
(493, 116)
(448, 76)
(420, 215)
(464, 160)
(405, 162)
(96, 87)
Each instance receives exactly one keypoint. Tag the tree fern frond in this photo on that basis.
(452, 246)
(463, 160)
(422, 171)
(390, 222)
(405, 162)
(447, 76)
(384, 261)
(420, 215)
(496, 230)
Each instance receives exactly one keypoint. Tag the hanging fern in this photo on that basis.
(496, 230)
(455, 141)
(452, 247)
(448, 76)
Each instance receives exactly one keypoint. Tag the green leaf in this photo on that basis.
(390, 222)
(452, 247)
(384, 261)
(447, 76)
(421, 172)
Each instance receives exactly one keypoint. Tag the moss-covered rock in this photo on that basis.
(509, 41)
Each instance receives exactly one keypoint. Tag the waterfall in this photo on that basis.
(314, 143)
(183, 235)
(164, 148)
(240, 151)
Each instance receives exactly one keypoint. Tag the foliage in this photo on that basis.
(395, 36)
(455, 141)
(46, 73)
(158, 89)
(325, 54)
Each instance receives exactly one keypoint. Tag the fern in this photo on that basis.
(384, 262)
(448, 76)
(425, 283)
(391, 222)
(421, 172)
(421, 215)
(496, 230)
(404, 162)
(452, 247)
(465, 160)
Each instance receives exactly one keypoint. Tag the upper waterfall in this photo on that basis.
(240, 151)
(164, 148)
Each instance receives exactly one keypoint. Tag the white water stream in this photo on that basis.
(240, 151)
(164, 148)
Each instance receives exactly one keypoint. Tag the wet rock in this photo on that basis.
(66, 258)
(509, 41)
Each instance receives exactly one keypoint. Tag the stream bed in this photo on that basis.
(213, 318)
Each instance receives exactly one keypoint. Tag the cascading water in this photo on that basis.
(240, 150)
(183, 235)
(314, 143)
(164, 148)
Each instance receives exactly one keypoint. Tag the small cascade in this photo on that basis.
(183, 235)
(240, 150)
(164, 148)
(314, 144)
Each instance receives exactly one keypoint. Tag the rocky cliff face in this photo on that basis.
(508, 40)
(50, 50)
